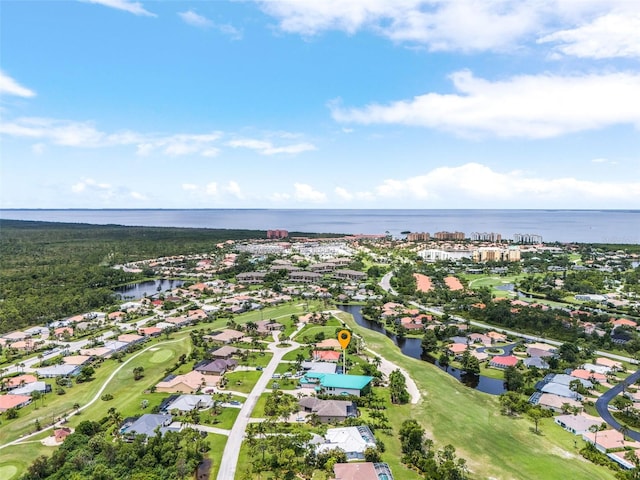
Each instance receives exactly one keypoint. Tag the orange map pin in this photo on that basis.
(344, 337)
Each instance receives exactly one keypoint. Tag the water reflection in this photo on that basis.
(412, 347)
(146, 289)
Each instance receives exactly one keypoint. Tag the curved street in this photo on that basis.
(602, 404)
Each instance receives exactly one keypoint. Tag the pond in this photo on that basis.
(146, 289)
(412, 347)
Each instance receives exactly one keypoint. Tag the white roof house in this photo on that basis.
(353, 440)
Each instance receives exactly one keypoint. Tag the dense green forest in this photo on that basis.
(52, 270)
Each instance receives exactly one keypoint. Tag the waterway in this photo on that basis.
(412, 347)
(149, 288)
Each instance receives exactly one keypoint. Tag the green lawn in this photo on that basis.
(258, 411)
(15, 460)
(225, 419)
(257, 359)
(242, 381)
(493, 445)
(217, 444)
(294, 353)
(309, 332)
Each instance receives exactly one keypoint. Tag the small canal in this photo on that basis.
(412, 348)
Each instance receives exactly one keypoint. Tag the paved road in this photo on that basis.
(602, 404)
(231, 452)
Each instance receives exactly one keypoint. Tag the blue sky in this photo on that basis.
(320, 104)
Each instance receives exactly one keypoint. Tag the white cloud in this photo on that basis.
(478, 182)
(230, 31)
(604, 161)
(91, 184)
(590, 28)
(138, 196)
(85, 135)
(132, 7)
(234, 189)
(265, 147)
(211, 189)
(530, 106)
(8, 86)
(440, 24)
(189, 186)
(343, 193)
(608, 36)
(306, 193)
(192, 18)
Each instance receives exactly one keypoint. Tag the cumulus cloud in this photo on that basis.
(138, 196)
(613, 35)
(529, 106)
(126, 5)
(189, 187)
(442, 25)
(590, 28)
(192, 18)
(8, 86)
(479, 182)
(265, 147)
(234, 189)
(306, 193)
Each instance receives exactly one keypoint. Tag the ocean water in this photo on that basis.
(597, 226)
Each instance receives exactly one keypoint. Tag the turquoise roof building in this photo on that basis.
(336, 384)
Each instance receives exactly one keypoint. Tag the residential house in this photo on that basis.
(216, 367)
(329, 343)
(334, 384)
(29, 388)
(10, 383)
(577, 424)
(225, 352)
(149, 331)
(326, 355)
(130, 338)
(605, 440)
(319, 367)
(148, 424)
(612, 364)
(187, 403)
(58, 371)
(504, 361)
(226, 336)
(353, 440)
(553, 402)
(497, 337)
(188, 383)
(362, 471)
(13, 401)
(328, 410)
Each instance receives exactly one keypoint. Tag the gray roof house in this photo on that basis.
(328, 410)
(147, 425)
